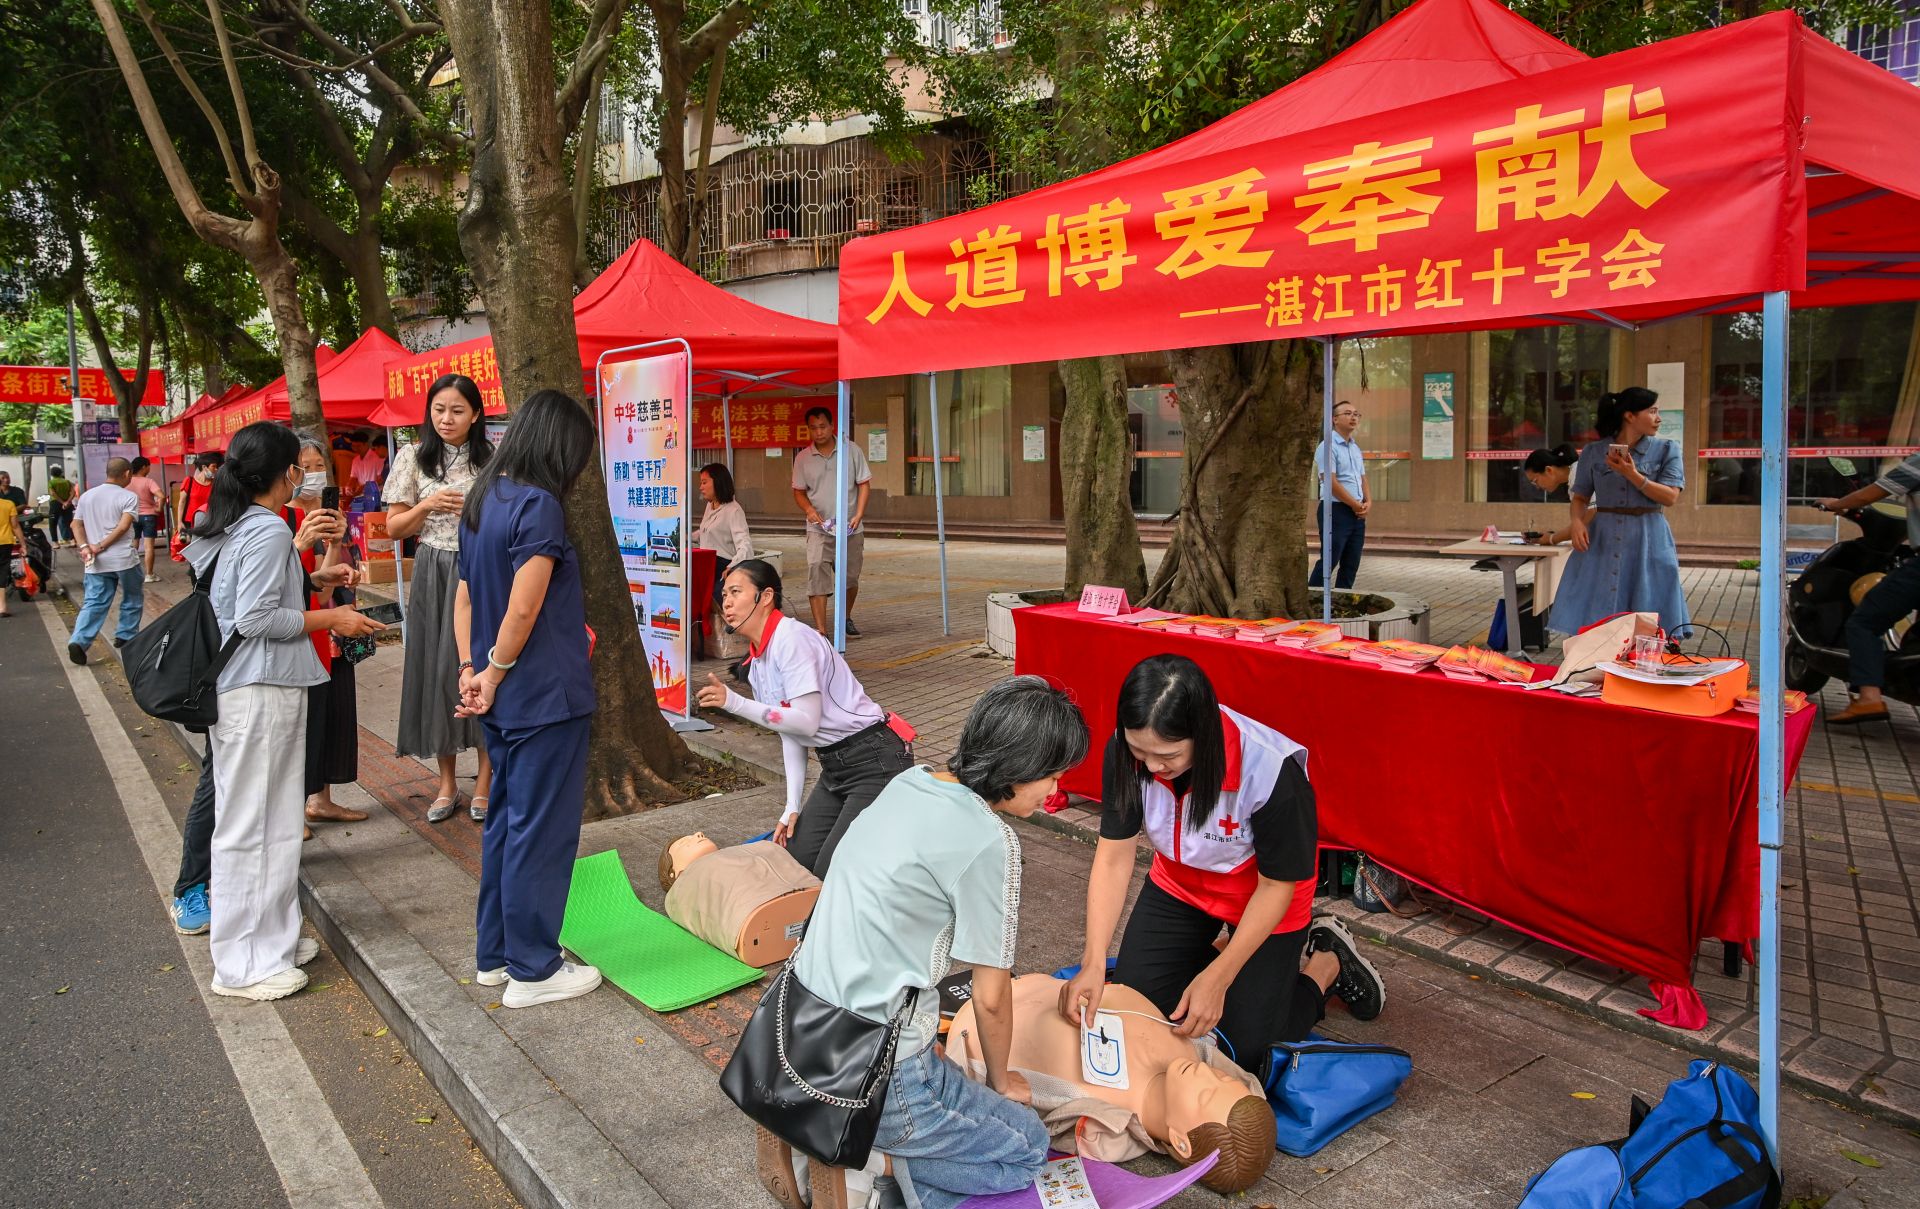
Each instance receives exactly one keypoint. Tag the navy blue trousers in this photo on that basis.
(1349, 536)
(528, 847)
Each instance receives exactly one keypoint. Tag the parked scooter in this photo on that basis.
(1826, 593)
(34, 572)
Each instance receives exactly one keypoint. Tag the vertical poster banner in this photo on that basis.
(1436, 417)
(646, 457)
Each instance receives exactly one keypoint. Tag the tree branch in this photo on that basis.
(346, 155)
(723, 27)
(241, 112)
(602, 24)
(130, 69)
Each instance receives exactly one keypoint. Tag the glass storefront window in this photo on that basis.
(1532, 388)
(1153, 424)
(1848, 389)
(1375, 374)
(976, 432)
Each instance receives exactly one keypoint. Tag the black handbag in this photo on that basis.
(813, 1074)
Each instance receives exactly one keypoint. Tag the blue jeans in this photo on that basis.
(1891, 599)
(952, 1138)
(132, 585)
(1349, 535)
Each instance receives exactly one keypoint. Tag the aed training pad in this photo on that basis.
(638, 949)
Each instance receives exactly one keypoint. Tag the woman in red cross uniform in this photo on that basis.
(1226, 803)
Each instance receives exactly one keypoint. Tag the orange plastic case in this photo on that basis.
(1707, 699)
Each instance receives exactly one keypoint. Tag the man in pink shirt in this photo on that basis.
(147, 521)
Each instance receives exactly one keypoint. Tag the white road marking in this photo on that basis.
(317, 1165)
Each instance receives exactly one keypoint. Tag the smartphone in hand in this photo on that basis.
(330, 498)
(385, 614)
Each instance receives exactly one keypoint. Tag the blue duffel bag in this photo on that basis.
(1319, 1089)
(1699, 1148)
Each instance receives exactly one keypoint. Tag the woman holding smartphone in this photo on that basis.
(333, 714)
(425, 492)
(1624, 560)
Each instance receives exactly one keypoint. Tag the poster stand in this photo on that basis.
(643, 409)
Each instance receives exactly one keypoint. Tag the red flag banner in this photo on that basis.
(757, 423)
(1653, 175)
(408, 379)
(44, 384)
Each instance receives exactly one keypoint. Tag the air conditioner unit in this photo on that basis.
(779, 233)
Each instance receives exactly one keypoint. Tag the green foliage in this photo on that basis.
(803, 61)
(422, 232)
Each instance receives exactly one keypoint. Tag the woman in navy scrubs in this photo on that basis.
(520, 621)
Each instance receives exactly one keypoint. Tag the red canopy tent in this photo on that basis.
(1458, 170)
(215, 428)
(353, 384)
(171, 442)
(647, 295)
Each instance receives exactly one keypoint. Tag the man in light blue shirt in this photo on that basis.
(1350, 502)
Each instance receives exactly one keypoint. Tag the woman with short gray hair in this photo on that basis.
(927, 875)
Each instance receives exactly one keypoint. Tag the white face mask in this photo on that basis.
(312, 484)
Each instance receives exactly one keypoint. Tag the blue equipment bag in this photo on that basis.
(1699, 1148)
(1319, 1089)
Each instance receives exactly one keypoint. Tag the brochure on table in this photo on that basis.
(647, 460)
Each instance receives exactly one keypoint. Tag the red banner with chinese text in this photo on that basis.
(43, 385)
(1658, 175)
(408, 379)
(164, 443)
(757, 423)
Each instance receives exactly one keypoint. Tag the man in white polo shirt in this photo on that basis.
(813, 479)
(103, 524)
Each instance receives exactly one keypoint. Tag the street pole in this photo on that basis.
(726, 422)
(840, 518)
(1324, 468)
(939, 497)
(1772, 754)
(73, 398)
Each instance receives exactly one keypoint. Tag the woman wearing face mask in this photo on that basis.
(1226, 804)
(333, 717)
(1624, 559)
(193, 498)
(259, 591)
(804, 690)
(424, 494)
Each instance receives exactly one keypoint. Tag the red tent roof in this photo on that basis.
(352, 384)
(215, 428)
(1678, 178)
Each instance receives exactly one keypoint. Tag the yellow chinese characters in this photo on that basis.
(1369, 193)
(1213, 222)
(990, 276)
(1631, 262)
(1531, 167)
(1088, 247)
(899, 290)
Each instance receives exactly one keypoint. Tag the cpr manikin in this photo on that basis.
(1153, 1089)
(751, 901)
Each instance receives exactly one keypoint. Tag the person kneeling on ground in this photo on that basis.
(1227, 806)
(928, 875)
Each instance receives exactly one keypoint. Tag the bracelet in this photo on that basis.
(492, 662)
(466, 665)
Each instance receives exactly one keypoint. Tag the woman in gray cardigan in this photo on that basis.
(259, 743)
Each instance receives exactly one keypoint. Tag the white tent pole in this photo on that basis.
(399, 570)
(1324, 468)
(840, 519)
(1772, 754)
(939, 497)
(726, 422)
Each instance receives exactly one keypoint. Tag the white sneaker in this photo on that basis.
(491, 978)
(568, 982)
(305, 951)
(274, 986)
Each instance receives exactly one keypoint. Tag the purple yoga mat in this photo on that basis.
(1114, 1186)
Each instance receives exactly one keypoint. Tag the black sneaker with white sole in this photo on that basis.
(1358, 985)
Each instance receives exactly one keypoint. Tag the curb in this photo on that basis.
(549, 1154)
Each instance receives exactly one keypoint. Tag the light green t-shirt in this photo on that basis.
(926, 876)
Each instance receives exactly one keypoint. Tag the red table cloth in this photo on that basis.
(1622, 834)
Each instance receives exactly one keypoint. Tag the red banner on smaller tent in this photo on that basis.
(164, 443)
(409, 377)
(757, 423)
(44, 384)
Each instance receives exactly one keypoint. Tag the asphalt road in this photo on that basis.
(117, 1087)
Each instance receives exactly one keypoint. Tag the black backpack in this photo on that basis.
(173, 664)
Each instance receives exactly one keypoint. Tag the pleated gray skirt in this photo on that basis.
(430, 688)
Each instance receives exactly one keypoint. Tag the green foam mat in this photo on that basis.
(638, 949)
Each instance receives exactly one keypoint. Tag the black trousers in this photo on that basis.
(1349, 539)
(196, 840)
(852, 774)
(1168, 943)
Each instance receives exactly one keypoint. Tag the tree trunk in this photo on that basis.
(1103, 542)
(676, 217)
(369, 271)
(1239, 543)
(126, 394)
(279, 279)
(518, 235)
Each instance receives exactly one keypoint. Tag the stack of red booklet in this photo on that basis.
(1306, 635)
(1346, 648)
(1400, 655)
(1473, 663)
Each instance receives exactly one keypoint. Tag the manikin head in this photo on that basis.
(681, 853)
(1208, 1110)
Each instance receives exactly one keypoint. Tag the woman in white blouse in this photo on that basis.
(723, 526)
(424, 494)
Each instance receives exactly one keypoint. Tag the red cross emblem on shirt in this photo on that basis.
(1228, 827)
